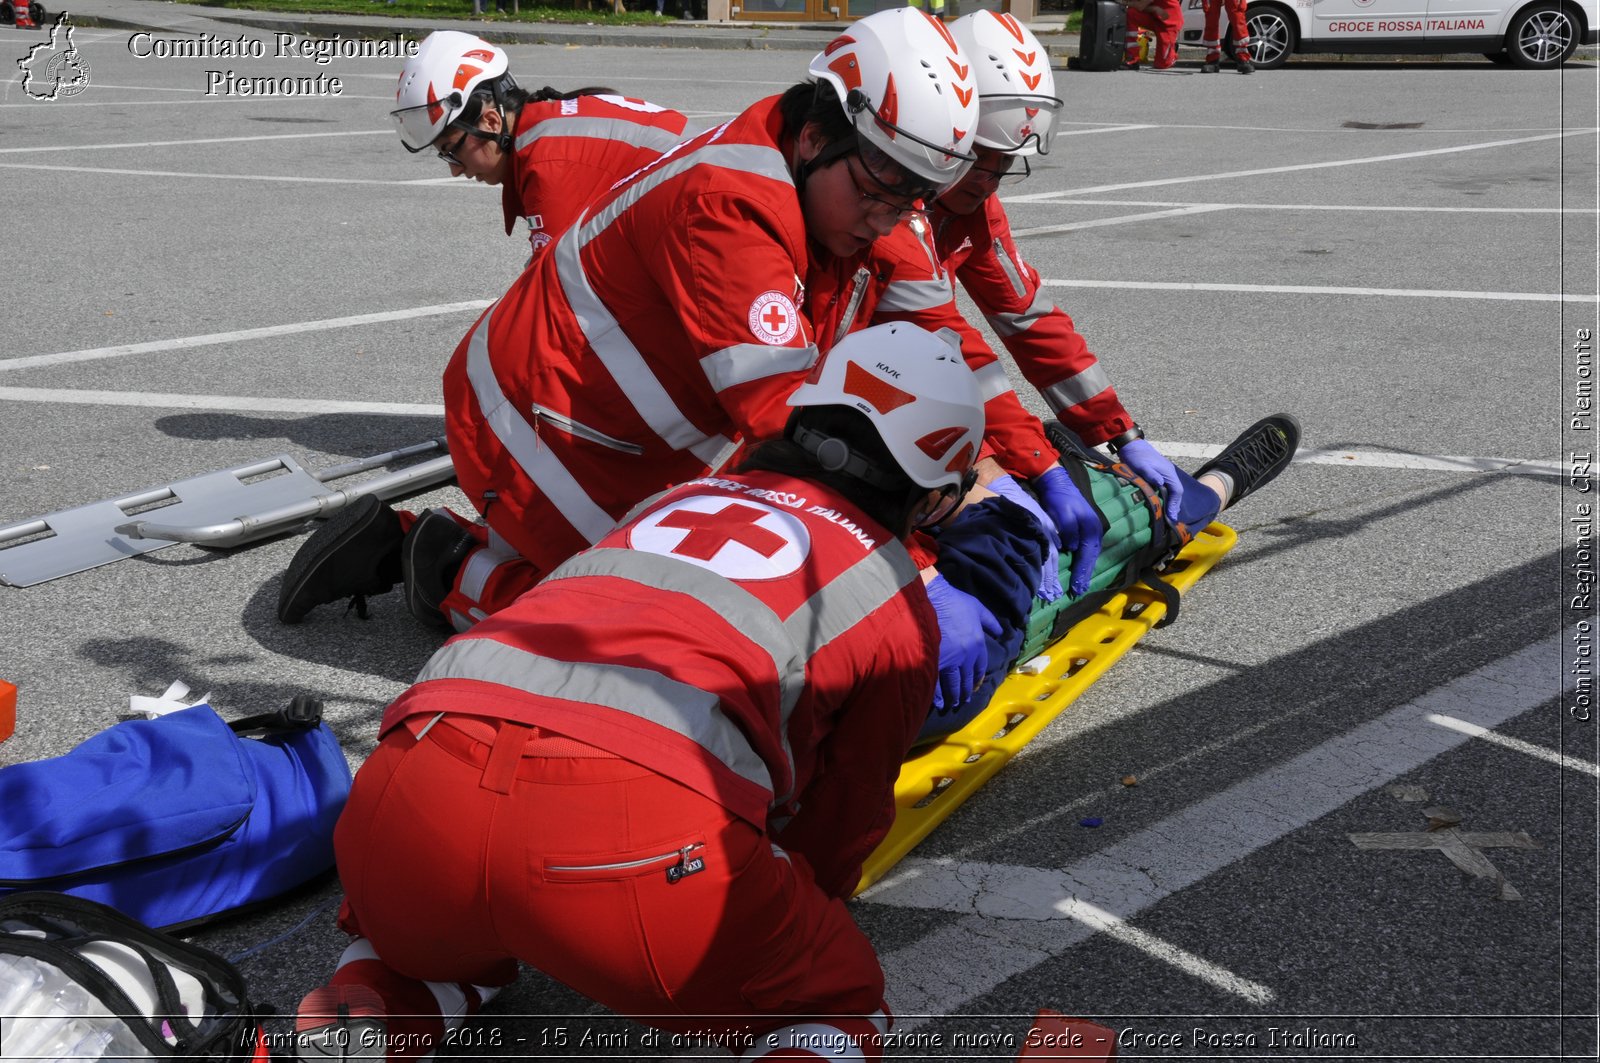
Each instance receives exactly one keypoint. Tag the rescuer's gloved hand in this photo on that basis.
(1050, 575)
(1077, 521)
(963, 653)
(1156, 470)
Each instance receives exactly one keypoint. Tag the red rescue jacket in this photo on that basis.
(754, 637)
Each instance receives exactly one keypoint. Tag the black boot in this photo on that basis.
(356, 553)
(1261, 452)
(431, 555)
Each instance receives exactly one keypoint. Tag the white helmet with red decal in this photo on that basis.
(1017, 102)
(908, 90)
(437, 82)
(915, 388)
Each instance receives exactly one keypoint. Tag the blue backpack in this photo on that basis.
(175, 820)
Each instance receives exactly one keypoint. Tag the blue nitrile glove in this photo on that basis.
(963, 655)
(1156, 471)
(1076, 520)
(1050, 575)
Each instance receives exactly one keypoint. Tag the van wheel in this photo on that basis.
(1541, 37)
(1498, 58)
(7, 13)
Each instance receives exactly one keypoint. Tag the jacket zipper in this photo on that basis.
(582, 431)
(858, 292)
(680, 870)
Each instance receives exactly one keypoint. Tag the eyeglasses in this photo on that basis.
(1006, 172)
(898, 207)
(451, 154)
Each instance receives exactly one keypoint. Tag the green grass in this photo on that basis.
(1074, 21)
(601, 13)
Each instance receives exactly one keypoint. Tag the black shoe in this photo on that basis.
(1211, 66)
(1246, 66)
(429, 559)
(356, 553)
(1261, 452)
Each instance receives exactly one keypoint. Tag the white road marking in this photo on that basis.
(1338, 207)
(217, 402)
(1384, 459)
(1038, 197)
(1101, 129)
(1506, 741)
(1165, 951)
(1323, 289)
(207, 140)
(1095, 223)
(1017, 918)
(1344, 458)
(210, 176)
(185, 342)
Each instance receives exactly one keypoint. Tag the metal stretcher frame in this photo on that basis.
(936, 780)
(230, 507)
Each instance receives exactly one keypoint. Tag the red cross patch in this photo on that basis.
(736, 538)
(773, 318)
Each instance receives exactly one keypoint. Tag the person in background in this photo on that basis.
(549, 152)
(1212, 39)
(1163, 20)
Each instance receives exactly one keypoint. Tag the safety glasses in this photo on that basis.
(451, 155)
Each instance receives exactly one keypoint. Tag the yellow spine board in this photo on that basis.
(936, 781)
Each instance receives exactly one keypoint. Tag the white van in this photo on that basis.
(1529, 33)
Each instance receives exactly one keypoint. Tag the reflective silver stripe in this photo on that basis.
(845, 602)
(1010, 324)
(618, 129)
(553, 479)
(742, 610)
(1080, 387)
(992, 380)
(851, 597)
(601, 329)
(479, 567)
(642, 692)
(744, 362)
(911, 296)
(1013, 269)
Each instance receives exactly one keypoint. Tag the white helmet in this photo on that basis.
(917, 391)
(908, 90)
(437, 82)
(1017, 100)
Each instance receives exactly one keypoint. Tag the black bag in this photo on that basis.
(1103, 42)
(80, 980)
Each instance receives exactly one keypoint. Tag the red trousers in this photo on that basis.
(1213, 33)
(474, 847)
(1165, 21)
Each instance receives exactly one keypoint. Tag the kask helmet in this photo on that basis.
(917, 392)
(908, 90)
(437, 82)
(1017, 102)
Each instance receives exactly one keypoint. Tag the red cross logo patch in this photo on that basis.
(773, 318)
(733, 537)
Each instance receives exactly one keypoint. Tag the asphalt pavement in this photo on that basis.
(1402, 254)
